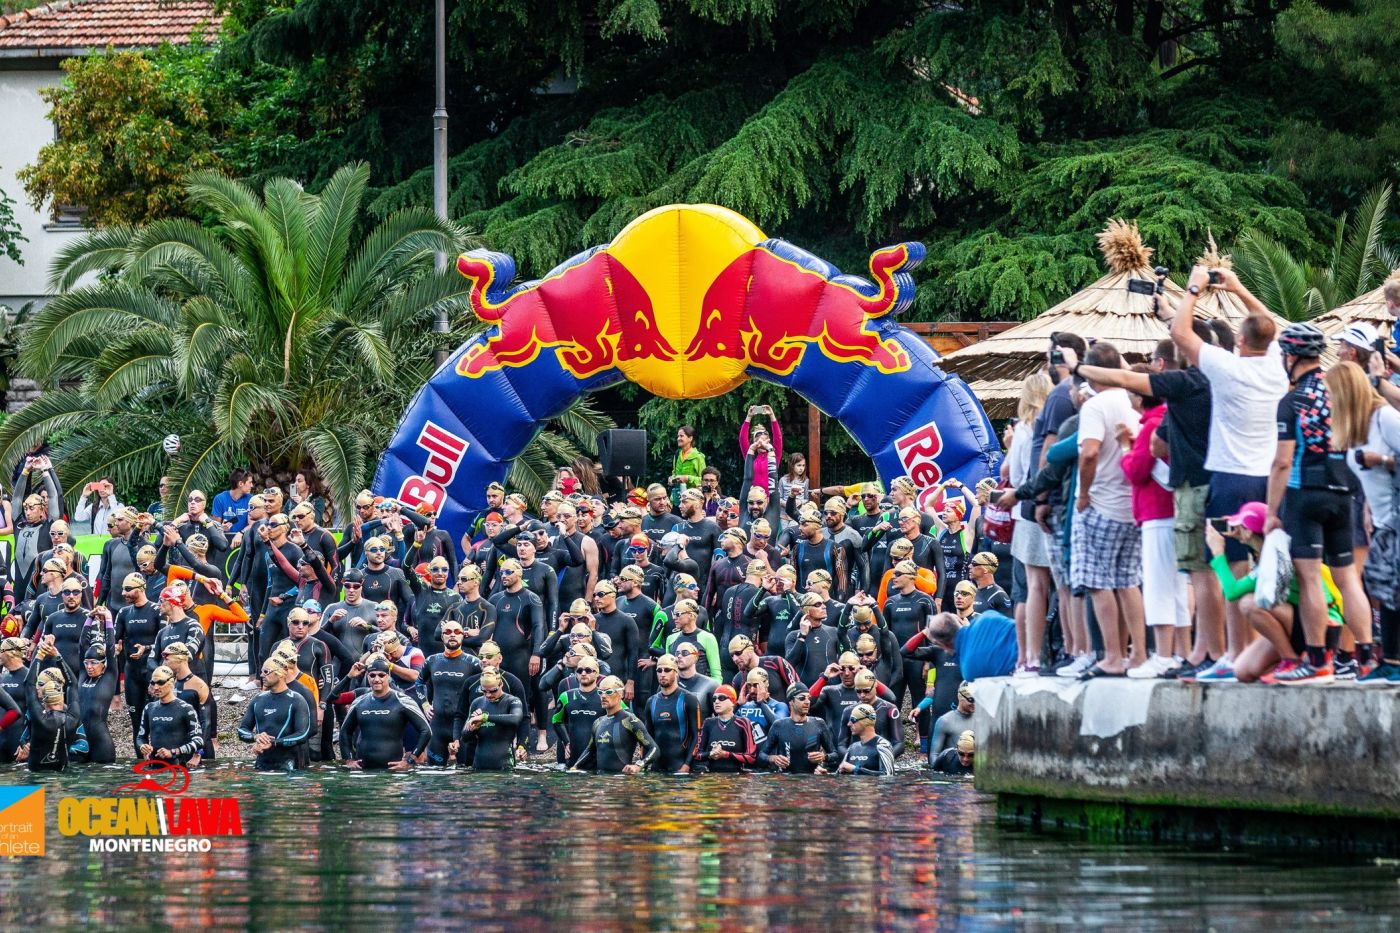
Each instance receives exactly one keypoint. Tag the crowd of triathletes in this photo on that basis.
(669, 628)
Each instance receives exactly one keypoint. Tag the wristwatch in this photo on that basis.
(1194, 289)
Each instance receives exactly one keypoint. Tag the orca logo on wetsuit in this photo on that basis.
(376, 712)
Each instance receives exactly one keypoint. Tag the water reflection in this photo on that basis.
(534, 850)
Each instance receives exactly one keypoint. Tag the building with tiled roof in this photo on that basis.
(33, 44)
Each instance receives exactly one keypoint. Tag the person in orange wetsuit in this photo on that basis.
(227, 609)
(925, 581)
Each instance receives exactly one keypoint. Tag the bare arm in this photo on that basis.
(1115, 378)
(1186, 339)
(1278, 481)
(1088, 468)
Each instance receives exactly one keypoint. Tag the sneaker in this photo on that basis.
(1382, 675)
(1188, 671)
(1027, 670)
(1287, 664)
(1221, 672)
(1345, 670)
(1144, 671)
(1076, 667)
(1366, 666)
(1305, 673)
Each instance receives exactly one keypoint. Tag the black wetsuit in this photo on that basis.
(12, 684)
(887, 725)
(207, 710)
(50, 730)
(492, 746)
(133, 626)
(172, 725)
(285, 717)
(771, 616)
(811, 654)
(94, 700)
(725, 572)
(873, 756)
(674, 722)
(445, 680)
(622, 630)
(68, 630)
(187, 630)
(573, 720)
(374, 728)
(389, 583)
(703, 689)
(907, 614)
(520, 632)
(948, 762)
(793, 740)
(430, 609)
(734, 736)
(614, 742)
(476, 614)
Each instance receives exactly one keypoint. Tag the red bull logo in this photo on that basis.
(594, 314)
(733, 299)
(754, 311)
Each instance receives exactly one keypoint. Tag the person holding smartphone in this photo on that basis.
(97, 505)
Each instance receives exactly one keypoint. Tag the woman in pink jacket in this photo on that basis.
(1163, 588)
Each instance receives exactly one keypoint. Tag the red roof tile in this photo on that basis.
(95, 24)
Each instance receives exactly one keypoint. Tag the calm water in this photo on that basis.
(536, 850)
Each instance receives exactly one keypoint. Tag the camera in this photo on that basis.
(1148, 286)
(1057, 358)
(1213, 276)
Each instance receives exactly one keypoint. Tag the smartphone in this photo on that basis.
(1214, 276)
(1220, 525)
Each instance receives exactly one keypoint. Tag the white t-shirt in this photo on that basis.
(1244, 395)
(1110, 494)
(1384, 439)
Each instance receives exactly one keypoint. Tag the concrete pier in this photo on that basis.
(1148, 757)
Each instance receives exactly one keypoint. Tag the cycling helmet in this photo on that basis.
(1302, 340)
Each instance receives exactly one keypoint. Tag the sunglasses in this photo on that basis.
(72, 592)
(863, 655)
(850, 670)
(160, 683)
(376, 550)
(353, 586)
(452, 631)
(375, 675)
(131, 589)
(308, 622)
(610, 692)
(587, 670)
(667, 670)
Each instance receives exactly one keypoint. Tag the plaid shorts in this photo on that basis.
(1104, 554)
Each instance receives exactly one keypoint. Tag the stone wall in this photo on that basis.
(1319, 750)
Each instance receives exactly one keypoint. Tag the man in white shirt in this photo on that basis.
(97, 504)
(1105, 543)
(1245, 389)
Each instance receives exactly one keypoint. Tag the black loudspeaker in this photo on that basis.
(623, 453)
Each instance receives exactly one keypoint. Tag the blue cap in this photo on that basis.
(312, 606)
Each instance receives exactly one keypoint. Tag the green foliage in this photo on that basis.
(130, 127)
(10, 234)
(273, 338)
(1359, 262)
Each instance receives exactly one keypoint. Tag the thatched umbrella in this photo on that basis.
(995, 368)
(1369, 308)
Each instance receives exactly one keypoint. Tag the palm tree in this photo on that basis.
(272, 336)
(1359, 262)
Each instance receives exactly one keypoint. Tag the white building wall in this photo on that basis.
(24, 128)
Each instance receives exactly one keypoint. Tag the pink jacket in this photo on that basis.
(1150, 499)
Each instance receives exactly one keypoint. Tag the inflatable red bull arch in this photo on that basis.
(688, 301)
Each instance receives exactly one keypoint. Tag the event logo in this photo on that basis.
(594, 313)
(21, 820)
(918, 452)
(169, 822)
(762, 304)
(748, 314)
(445, 453)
